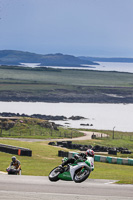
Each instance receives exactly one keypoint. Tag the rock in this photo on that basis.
(84, 124)
(76, 117)
(39, 116)
(7, 124)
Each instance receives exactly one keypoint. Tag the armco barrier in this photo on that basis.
(125, 161)
(99, 158)
(103, 159)
(114, 160)
(109, 159)
(130, 161)
(119, 161)
(15, 150)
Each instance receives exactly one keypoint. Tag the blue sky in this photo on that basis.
(77, 27)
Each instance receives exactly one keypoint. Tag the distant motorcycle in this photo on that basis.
(12, 170)
(77, 172)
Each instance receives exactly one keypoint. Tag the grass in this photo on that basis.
(64, 85)
(68, 77)
(122, 173)
(45, 158)
(26, 127)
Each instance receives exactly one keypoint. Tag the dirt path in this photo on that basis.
(87, 136)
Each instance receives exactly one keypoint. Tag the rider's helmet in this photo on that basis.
(13, 159)
(90, 153)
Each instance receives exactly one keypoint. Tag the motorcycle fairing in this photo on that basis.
(69, 175)
(76, 167)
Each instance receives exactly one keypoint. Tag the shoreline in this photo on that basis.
(74, 102)
(84, 101)
(5, 115)
(102, 116)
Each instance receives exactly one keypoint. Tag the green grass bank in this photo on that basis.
(45, 158)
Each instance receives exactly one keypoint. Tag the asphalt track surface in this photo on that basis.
(40, 188)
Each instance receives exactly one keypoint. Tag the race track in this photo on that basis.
(40, 188)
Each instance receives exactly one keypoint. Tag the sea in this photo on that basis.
(103, 66)
(97, 116)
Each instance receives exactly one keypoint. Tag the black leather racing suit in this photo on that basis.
(80, 156)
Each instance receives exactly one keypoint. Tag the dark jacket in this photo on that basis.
(80, 156)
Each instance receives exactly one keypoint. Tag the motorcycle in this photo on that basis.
(12, 170)
(78, 172)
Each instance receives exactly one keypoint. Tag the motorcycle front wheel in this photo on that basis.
(53, 175)
(81, 175)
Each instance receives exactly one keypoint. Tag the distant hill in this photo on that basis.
(11, 57)
(99, 59)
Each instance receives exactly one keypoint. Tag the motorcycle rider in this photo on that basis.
(17, 165)
(80, 157)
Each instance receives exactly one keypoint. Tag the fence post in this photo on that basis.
(51, 132)
(59, 133)
(113, 137)
(1, 130)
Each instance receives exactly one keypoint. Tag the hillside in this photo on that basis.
(11, 57)
(27, 127)
(102, 59)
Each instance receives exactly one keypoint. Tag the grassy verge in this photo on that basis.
(26, 127)
(42, 133)
(45, 158)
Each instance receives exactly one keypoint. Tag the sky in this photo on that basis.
(74, 27)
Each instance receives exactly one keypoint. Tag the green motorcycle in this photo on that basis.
(78, 172)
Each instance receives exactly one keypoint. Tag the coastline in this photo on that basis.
(95, 116)
(69, 98)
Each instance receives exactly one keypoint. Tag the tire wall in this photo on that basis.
(15, 150)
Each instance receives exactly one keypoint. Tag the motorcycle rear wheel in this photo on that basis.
(12, 171)
(81, 175)
(53, 175)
